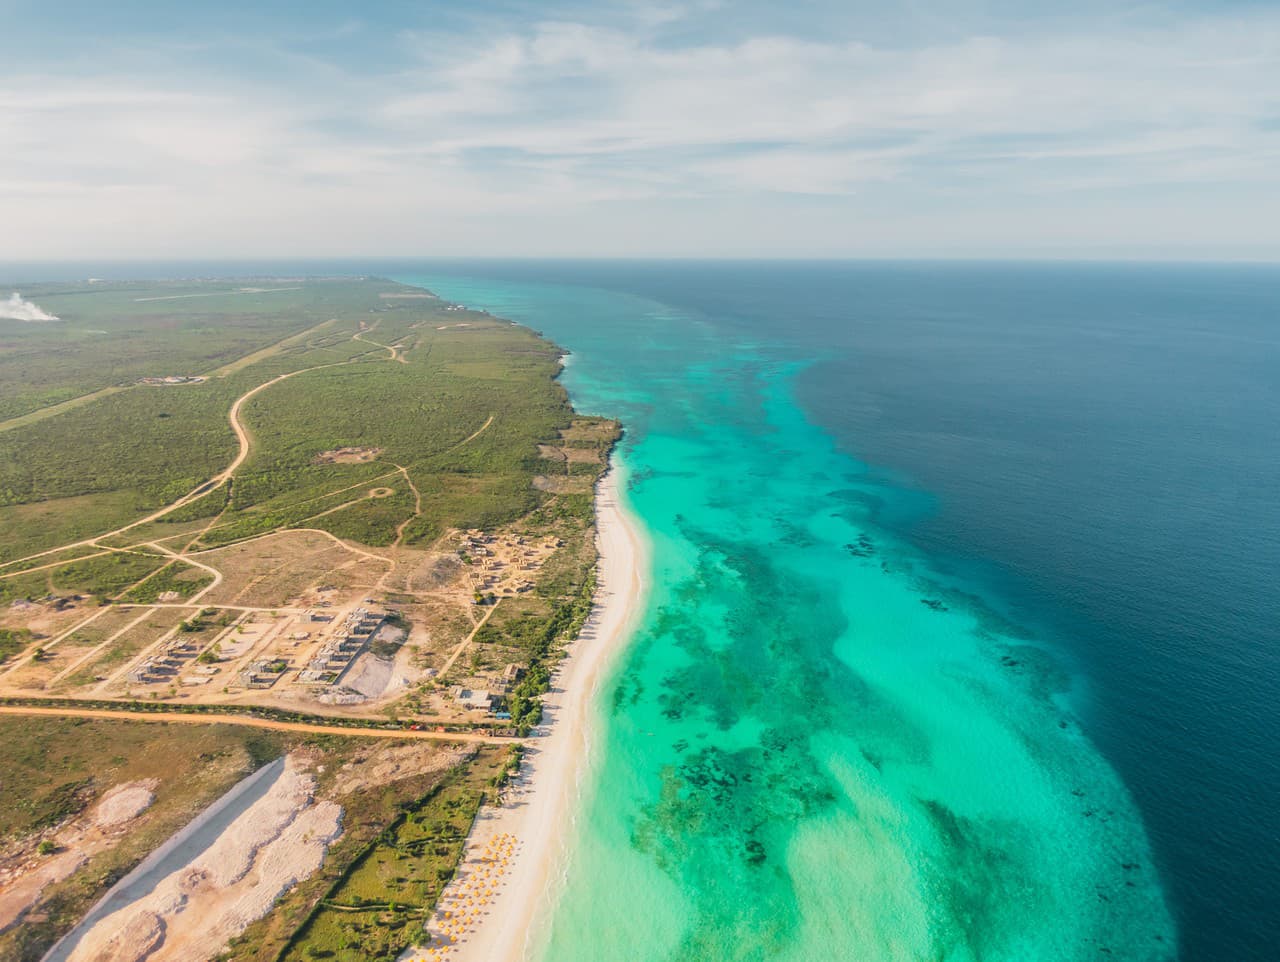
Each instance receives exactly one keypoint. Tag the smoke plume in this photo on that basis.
(16, 308)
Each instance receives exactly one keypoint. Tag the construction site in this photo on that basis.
(302, 620)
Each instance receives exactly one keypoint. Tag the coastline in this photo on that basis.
(535, 814)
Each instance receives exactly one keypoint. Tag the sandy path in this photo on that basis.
(213, 718)
(184, 297)
(466, 642)
(98, 649)
(471, 437)
(516, 850)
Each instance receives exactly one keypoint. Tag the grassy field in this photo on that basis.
(92, 467)
(113, 333)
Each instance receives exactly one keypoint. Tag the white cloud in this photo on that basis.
(17, 308)
(560, 122)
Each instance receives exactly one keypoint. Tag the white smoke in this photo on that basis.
(16, 308)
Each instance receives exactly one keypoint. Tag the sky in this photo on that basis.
(709, 128)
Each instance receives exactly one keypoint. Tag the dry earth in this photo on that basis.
(25, 873)
(279, 840)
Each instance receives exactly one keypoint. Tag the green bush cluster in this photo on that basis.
(12, 641)
(566, 621)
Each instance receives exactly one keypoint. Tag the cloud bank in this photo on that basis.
(17, 308)
(635, 129)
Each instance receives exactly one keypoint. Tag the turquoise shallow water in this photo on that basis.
(816, 748)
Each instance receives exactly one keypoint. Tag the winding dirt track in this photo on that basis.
(242, 433)
(213, 718)
(217, 481)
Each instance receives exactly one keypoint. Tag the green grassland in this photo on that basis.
(106, 575)
(113, 333)
(178, 577)
(103, 463)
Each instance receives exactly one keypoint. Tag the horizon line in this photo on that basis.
(641, 258)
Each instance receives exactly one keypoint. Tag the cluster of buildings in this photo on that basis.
(489, 579)
(263, 673)
(493, 702)
(339, 652)
(165, 665)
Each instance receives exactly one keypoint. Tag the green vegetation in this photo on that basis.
(378, 897)
(460, 418)
(531, 629)
(456, 421)
(120, 443)
(539, 638)
(113, 334)
(13, 641)
(183, 579)
(105, 574)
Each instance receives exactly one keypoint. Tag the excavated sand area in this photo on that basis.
(190, 913)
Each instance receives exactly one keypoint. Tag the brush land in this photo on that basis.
(332, 499)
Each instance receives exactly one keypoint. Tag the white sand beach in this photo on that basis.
(507, 882)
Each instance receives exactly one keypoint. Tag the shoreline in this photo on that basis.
(535, 814)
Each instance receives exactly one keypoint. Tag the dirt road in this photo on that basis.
(213, 718)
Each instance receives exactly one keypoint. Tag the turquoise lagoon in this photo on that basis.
(816, 746)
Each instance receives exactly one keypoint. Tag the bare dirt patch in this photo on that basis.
(588, 455)
(585, 429)
(26, 873)
(375, 767)
(348, 456)
(124, 802)
(274, 842)
(273, 571)
(562, 485)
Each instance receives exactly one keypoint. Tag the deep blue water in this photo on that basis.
(1093, 449)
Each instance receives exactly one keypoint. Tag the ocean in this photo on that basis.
(962, 636)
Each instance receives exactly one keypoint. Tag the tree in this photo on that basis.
(46, 847)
